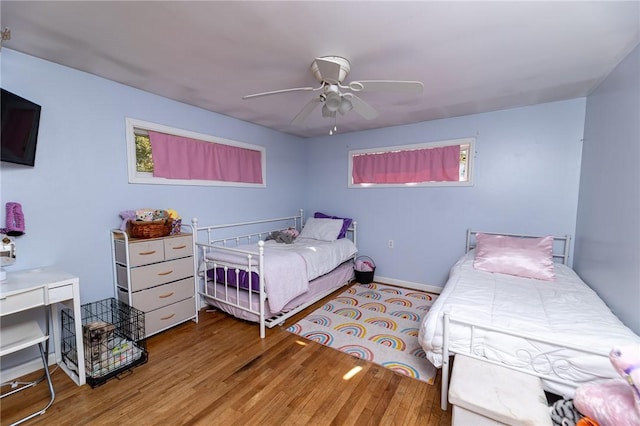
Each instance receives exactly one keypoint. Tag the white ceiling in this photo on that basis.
(471, 56)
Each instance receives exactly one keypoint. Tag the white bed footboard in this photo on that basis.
(545, 358)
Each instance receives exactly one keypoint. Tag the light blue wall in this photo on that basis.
(72, 197)
(608, 221)
(527, 168)
(526, 177)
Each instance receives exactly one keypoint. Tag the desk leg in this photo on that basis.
(56, 330)
(77, 315)
(79, 377)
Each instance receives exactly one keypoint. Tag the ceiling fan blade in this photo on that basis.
(306, 110)
(361, 107)
(415, 87)
(275, 92)
(329, 70)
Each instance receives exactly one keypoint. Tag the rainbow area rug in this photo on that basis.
(374, 322)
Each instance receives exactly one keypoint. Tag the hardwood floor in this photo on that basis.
(220, 372)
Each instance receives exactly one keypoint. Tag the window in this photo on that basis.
(188, 158)
(444, 163)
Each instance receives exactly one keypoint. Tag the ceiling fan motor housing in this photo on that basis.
(331, 77)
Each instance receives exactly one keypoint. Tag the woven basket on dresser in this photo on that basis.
(153, 229)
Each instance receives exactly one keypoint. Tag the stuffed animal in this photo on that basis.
(291, 231)
(145, 215)
(564, 413)
(614, 402)
(173, 214)
(286, 236)
(626, 361)
(126, 216)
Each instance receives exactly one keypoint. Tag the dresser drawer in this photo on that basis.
(140, 253)
(156, 274)
(169, 315)
(178, 247)
(163, 295)
(146, 252)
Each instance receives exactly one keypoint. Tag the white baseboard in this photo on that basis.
(409, 284)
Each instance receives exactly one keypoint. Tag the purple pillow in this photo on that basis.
(346, 222)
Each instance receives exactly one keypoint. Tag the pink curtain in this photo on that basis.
(420, 165)
(176, 157)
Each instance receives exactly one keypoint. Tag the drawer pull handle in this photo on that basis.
(147, 253)
(166, 273)
(180, 247)
(164, 296)
(169, 317)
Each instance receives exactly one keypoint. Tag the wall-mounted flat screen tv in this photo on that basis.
(20, 122)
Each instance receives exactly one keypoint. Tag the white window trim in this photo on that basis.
(148, 178)
(465, 141)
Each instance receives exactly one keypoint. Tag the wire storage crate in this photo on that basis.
(113, 336)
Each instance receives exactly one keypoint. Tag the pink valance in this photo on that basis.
(441, 164)
(177, 157)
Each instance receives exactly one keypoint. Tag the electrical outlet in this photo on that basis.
(390, 244)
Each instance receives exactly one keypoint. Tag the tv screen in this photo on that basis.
(20, 122)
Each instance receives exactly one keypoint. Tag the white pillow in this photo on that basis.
(321, 229)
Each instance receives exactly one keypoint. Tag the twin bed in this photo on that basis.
(551, 325)
(510, 300)
(268, 270)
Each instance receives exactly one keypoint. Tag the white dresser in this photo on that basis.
(155, 275)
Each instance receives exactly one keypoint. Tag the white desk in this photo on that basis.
(49, 286)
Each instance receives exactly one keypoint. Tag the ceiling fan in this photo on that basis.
(335, 96)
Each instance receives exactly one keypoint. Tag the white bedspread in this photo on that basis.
(564, 310)
(288, 268)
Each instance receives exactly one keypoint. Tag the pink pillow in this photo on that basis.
(522, 257)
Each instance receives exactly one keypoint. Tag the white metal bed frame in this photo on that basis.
(539, 363)
(230, 244)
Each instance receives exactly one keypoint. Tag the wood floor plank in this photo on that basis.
(219, 372)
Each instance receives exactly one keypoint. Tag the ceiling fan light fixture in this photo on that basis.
(327, 113)
(345, 106)
(333, 101)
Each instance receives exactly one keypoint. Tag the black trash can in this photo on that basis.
(364, 269)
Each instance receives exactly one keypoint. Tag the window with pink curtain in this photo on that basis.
(177, 157)
(441, 164)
